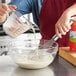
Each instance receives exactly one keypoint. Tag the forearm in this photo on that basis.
(72, 10)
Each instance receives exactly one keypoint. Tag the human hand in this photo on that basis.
(63, 25)
(4, 10)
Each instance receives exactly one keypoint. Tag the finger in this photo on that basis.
(65, 29)
(8, 7)
(5, 6)
(3, 11)
(68, 25)
(1, 14)
(61, 30)
(58, 33)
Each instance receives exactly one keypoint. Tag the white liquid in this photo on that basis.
(36, 62)
(36, 50)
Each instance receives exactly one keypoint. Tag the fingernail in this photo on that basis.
(67, 30)
(64, 33)
(60, 36)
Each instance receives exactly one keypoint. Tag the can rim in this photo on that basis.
(73, 18)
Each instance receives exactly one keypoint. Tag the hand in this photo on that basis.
(4, 10)
(63, 24)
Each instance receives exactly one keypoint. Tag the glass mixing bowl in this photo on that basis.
(31, 56)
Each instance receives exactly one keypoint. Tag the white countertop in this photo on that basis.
(59, 67)
(9, 68)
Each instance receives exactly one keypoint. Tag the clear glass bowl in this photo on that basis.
(31, 56)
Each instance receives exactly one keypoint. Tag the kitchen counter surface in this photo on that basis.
(59, 67)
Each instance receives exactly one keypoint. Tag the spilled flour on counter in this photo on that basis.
(35, 62)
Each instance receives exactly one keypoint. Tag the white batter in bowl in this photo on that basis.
(33, 58)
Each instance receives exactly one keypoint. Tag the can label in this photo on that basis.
(72, 40)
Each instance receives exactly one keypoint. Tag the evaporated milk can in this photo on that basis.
(72, 39)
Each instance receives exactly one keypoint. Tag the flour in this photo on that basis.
(35, 62)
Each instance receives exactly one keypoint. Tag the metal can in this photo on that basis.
(72, 39)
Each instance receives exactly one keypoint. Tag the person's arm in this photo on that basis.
(62, 26)
(72, 10)
(23, 6)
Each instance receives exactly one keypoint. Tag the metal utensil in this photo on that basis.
(51, 41)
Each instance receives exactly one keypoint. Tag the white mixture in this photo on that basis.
(33, 62)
